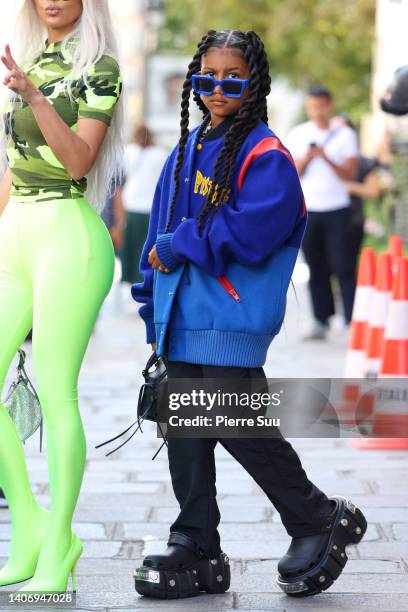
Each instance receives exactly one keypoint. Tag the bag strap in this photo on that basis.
(22, 373)
(23, 376)
(125, 442)
(118, 436)
(153, 360)
(332, 132)
(165, 443)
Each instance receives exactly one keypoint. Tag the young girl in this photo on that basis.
(226, 225)
(56, 257)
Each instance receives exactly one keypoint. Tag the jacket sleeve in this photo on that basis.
(143, 292)
(267, 210)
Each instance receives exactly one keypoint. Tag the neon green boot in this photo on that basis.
(56, 580)
(26, 548)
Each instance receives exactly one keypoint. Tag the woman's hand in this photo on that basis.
(17, 80)
(155, 262)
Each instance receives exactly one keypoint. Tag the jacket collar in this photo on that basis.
(220, 130)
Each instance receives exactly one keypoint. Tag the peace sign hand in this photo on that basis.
(16, 79)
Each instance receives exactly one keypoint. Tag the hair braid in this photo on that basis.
(252, 109)
(193, 68)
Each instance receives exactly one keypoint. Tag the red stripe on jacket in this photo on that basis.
(271, 143)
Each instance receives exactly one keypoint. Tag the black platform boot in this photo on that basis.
(183, 570)
(313, 563)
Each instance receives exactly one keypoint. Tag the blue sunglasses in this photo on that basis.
(231, 88)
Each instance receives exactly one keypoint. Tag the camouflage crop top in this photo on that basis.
(37, 174)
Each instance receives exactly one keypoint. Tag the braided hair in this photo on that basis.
(252, 109)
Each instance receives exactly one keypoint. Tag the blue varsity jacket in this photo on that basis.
(225, 297)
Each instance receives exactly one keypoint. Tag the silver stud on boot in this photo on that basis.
(344, 522)
(358, 530)
(322, 578)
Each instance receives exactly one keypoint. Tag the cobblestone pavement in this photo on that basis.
(126, 503)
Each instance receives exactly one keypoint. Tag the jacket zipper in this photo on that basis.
(226, 284)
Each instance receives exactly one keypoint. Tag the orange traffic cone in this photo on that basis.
(396, 250)
(392, 419)
(395, 354)
(375, 339)
(378, 314)
(355, 360)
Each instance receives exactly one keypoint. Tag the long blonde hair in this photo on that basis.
(93, 37)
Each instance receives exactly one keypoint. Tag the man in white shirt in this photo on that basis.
(326, 154)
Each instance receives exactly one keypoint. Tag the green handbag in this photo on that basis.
(23, 405)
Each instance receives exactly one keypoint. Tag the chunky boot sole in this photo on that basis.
(210, 575)
(349, 527)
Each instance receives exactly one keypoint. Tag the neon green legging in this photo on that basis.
(56, 268)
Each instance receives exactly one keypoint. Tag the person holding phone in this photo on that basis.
(326, 155)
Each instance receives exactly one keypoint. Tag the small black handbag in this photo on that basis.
(155, 376)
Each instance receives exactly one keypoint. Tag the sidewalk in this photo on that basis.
(126, 503)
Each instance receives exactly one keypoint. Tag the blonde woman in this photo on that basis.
(56, 257)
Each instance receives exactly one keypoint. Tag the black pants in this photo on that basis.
(271, 462)
(327, 249)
